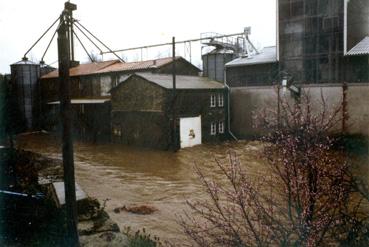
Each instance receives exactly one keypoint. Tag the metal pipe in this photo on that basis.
(229, 106)
(71, 37)
(178, 42)
(174, 140)
(38, 195)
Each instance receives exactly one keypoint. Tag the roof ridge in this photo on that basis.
(110, 64)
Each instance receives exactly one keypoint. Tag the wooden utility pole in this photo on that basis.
(174, 95)
(66, 118)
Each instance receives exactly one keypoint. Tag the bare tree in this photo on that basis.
(306, 200)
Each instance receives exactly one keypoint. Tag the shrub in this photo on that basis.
(310, 198)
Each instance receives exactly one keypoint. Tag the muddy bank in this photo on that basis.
(27, 220)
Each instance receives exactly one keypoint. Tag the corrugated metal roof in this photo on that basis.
(182, 82)
(113, 66)
(141, 65)
(83, 69)
(362, 48)
(267, 55)
(28, 62)
(82, 101)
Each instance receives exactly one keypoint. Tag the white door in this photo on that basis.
(190, 131)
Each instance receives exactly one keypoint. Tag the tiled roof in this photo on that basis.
(114, 66)
(182, 82)
(83, 69)
(267, 55)
(362, 48)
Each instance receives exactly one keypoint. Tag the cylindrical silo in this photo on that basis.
(214, 63)
(25, 84)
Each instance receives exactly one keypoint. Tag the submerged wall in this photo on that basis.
(246, 102)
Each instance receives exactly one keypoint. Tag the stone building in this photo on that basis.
(143, 106)
(90, 92)
(94, 80)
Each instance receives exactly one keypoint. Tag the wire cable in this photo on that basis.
(83, 46)
(88, 37)
(111, 51)
(47, 30)
(48, 46)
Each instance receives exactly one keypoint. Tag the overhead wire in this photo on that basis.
(111, 51)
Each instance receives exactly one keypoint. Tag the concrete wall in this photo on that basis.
(358, 109)
(246, 102)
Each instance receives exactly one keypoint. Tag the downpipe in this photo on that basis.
(229, 106)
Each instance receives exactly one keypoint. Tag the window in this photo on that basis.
(213, 129)
(213, 100)
(220, 100)
(221, 127)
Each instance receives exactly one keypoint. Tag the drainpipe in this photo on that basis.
(228, 105)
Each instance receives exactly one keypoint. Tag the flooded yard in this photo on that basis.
(128, 176)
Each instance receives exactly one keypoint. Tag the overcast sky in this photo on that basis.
(123, 24)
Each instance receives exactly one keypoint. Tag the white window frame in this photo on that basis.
(221, 127)
(213, 100)
(220, 100)
(213, 128)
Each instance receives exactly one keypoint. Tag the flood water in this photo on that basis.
(135, 176)
(165, 180)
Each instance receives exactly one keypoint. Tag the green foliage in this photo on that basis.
(141, 238)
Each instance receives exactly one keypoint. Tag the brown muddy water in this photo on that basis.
(133, 176)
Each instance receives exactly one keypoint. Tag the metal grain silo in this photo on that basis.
(214, 63)
(25, 84)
